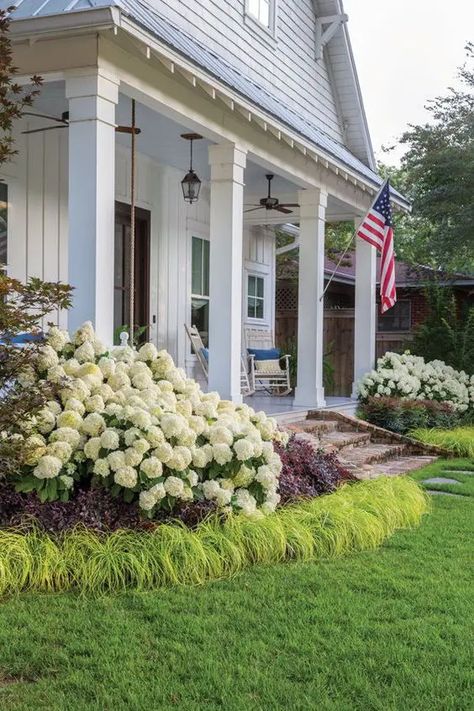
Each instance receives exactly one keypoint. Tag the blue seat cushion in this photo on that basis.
(205, 353)
(265, 354)
(21, 338)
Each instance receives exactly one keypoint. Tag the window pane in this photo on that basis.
(251, 307)
(253, 8)
(259, 309)
(205, 267)
(265, 13)
(251, 286)
(260, 284)
(398, 318)
(3, 224)
(200, 317)
(196, 279)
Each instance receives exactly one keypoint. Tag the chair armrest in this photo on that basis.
(286, 358)
(251, 360)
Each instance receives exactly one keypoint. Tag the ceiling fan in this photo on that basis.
(63, 122)
(272, 203)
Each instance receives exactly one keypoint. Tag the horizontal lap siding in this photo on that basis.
(287, 68)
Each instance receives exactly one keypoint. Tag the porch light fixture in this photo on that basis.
(191, 184)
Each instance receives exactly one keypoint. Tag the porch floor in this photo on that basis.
(282, 408)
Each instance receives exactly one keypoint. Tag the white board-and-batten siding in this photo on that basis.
(283, 63)
(38, 233)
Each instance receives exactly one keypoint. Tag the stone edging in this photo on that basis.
(362, 425)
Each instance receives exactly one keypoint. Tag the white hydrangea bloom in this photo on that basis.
(110, 439)
(243, 449)
(48, 467)
(152, 467)
(174, 486)
(126, 476)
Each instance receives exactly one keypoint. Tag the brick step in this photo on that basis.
(393, 467)
(313, 426)
(343, 441)
(359, 457)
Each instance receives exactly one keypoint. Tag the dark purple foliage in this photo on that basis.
(94, 508)
(307, 472)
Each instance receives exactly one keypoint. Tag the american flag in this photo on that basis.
(377, 229)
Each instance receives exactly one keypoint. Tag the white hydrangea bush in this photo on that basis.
(410, 377)
(133, 421)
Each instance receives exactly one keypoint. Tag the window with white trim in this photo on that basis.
(200, 286)
(255, 296)
(261, 10)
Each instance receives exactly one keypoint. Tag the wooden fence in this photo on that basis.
(338, 343)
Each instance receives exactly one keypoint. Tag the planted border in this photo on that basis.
(357, 517)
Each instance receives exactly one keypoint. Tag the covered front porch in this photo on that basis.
(79, 180)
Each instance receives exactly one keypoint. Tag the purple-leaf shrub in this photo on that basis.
(307, 472)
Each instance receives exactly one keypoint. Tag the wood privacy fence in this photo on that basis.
(338, 343)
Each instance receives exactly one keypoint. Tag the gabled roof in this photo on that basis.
(149, 20)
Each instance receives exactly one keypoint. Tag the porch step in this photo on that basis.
(367, 451)
(314, 427)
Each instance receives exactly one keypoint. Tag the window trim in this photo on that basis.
(197, 230)
(262, 31)
(256, 319)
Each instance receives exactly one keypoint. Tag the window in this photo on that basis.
(255, 296)
(398, 318)
(3, 225)
(200, 287)
(261, 11)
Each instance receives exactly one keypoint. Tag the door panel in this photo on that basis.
(122, 269)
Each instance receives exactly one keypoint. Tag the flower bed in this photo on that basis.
(460, 440)
(134, 424)
(354, 518)
(405, 392)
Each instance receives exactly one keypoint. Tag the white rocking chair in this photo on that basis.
(199, 351)
(275, 379)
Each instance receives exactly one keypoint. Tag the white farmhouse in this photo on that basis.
(271, 87)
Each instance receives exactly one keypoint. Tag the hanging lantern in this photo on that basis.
(191, 184)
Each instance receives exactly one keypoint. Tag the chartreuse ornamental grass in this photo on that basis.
(459, 440)
(357, 517)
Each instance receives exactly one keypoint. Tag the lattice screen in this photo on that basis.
(286, 298)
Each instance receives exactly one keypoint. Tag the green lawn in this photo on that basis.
(444, 468)
(386, 630)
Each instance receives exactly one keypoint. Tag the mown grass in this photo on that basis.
(448, 469)
(384, 630)
(459, 440)
(357, 517)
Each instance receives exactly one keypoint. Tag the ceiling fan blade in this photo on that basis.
(289, 204)
(45, 116)
(280, 208)
(252, 209)
(47, 128)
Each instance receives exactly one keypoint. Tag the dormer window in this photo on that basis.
(260, 17)
(260, 10)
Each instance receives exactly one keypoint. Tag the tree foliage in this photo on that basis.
(13, 97)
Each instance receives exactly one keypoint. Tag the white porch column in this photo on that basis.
(92, 101)
(310, 391)
(227, 163)
(365, 310)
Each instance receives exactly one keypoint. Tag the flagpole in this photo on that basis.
(333, 274)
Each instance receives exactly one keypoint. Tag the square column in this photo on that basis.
(92, 101)
(365, 320)
(309, 390)
(227, 163)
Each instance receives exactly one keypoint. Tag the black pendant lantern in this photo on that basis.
(191, 184)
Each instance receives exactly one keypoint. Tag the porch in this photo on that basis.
(284, 409)
(67, 183)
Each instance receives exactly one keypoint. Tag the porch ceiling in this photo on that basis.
(160, 139)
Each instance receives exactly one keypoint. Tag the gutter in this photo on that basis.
(78, 21)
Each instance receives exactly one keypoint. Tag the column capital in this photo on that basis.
(93, 82)
(317, 197)
(227, 162)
